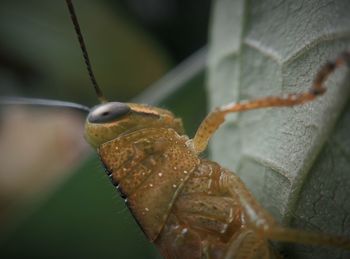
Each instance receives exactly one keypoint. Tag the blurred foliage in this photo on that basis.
(38, 148)
(81, 215)
(83, 219)
(173, 23)
(40, 55)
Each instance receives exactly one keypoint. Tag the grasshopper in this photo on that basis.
(188, 206)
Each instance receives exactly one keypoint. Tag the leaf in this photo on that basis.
(295, 160)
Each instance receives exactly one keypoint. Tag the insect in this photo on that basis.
(189, 207)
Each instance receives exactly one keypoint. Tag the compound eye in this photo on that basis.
(108, 112)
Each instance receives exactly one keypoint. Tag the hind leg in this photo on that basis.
(248, 244)
(282, 234)
(262, 223)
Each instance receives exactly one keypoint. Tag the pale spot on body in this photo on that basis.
(153, 162)
(230, 215)
(174, 185)
(223, 230)
(185, 172)
(146, 209)
(150, 185)
(160, 174)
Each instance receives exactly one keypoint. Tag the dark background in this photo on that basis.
(131, 44)
(76, 212)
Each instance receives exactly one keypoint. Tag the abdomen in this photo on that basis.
(207, 221)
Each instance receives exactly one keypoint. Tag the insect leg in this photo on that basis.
(255, 215)
(251, 241)
(259, 220)
(247, 244)
(304, 237)
(214, 119)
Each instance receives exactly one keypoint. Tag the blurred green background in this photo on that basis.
(61, 204)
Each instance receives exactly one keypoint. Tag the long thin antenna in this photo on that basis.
(10, 100)
(74, 18)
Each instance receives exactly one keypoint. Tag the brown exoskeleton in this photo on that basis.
(188, 206)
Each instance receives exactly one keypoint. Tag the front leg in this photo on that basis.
(214, 119)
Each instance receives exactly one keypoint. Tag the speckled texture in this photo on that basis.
(189, 207)
(210, 219)
(167, 162)
(261, 48)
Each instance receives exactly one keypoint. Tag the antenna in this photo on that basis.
(8, 100)
(74, 18)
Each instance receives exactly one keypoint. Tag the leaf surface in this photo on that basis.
(295, 160)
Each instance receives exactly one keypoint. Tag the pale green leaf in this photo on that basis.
(295, 160)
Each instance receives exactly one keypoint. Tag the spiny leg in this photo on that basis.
(214, 119)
